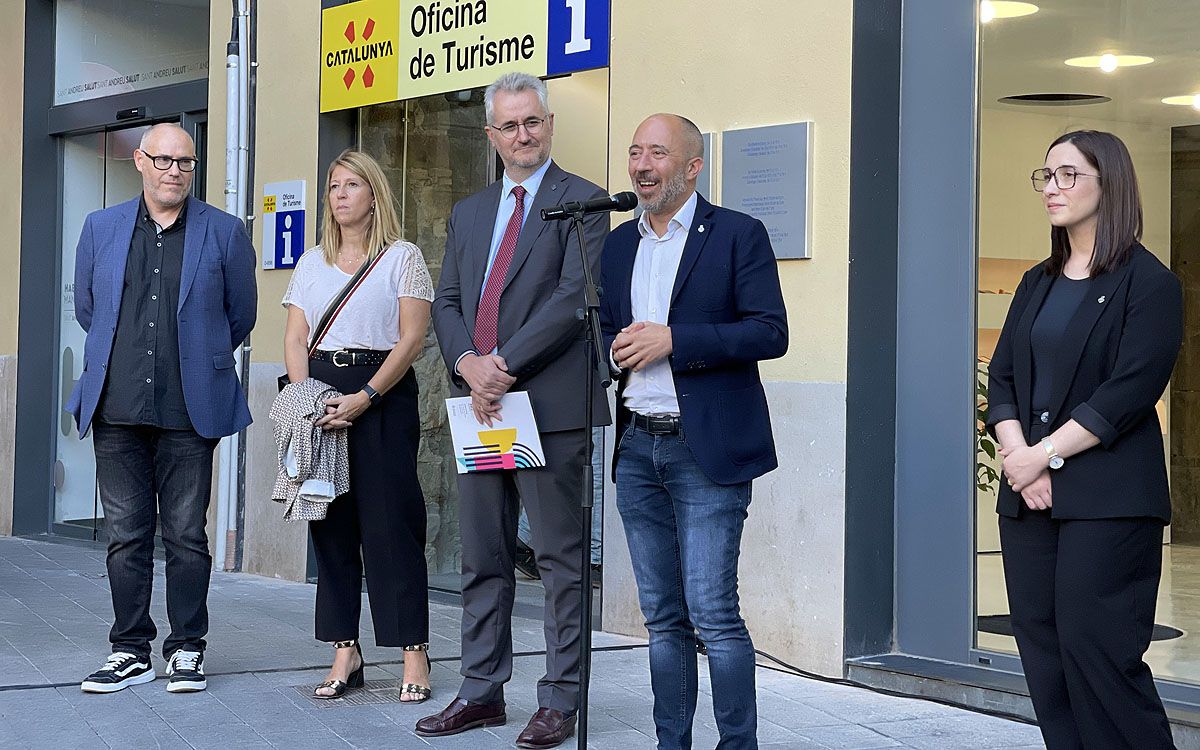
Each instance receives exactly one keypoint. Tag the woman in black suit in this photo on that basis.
(1086, 351)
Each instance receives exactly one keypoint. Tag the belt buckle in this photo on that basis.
(334, 358)
(660, 425)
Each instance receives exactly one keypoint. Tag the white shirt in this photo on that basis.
(371, 317)
(652, 391)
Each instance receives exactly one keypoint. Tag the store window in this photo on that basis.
(1131, 67)
(434, 154)
(106, 47)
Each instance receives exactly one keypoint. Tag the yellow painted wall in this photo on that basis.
(728, 64)
(12, 85)
(580, 106)
(289, 42)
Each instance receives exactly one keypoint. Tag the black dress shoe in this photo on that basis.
(548, 728)
(460, 716)
(526, 561)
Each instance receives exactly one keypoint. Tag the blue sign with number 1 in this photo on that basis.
(578, 38)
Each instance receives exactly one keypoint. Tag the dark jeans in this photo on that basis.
(135, 466)
(685, 536)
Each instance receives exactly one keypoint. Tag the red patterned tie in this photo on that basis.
(487, 318)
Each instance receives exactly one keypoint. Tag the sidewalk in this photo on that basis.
(262, 662)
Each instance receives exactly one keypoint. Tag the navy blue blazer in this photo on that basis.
(218, 302)
(1117, 356)
(727, 313)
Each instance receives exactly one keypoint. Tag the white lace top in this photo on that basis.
(371, 318)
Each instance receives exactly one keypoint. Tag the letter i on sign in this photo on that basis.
(578, 41)
(286, 234)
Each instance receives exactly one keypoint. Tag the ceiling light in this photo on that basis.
(1189, 100)
(992, 9)
(1109, 62)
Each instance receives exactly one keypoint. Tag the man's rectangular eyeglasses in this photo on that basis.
(532, 126)
(186, 163)
(1064, 177)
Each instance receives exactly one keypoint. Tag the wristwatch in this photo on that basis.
(1056, 461)
(375, 396)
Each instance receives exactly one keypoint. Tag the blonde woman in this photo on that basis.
(367, 353)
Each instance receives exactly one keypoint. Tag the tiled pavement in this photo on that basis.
(54, 618)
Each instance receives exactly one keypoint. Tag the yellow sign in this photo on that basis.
(268, 204)
(376, 51)
(360, 54)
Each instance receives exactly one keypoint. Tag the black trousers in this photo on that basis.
(1082, 595)
(378, 525)
(138, 469)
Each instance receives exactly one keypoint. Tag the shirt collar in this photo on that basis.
(681, 220)
(531, 183)
(144, 212)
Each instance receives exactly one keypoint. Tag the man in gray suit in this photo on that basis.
(505, 316)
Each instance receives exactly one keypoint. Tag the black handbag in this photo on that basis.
(331, 312)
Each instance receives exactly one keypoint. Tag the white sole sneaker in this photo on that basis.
(112, 687)
(191, 686)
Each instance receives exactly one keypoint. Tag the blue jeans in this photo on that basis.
(140, 470)
(685, 535)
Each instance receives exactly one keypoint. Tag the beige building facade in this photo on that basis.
(871, 550)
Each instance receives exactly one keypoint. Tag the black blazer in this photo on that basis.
(1116, 359)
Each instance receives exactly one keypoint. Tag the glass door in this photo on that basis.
(98, 172)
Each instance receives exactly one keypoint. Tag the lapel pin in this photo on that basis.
(1101, 300)
(701, 229)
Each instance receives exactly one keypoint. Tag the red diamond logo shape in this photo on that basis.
(349, 32)
(348, 79)
(368, 77)
(369, 29)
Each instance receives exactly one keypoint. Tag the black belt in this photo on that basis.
(348, 357)
(665, 425)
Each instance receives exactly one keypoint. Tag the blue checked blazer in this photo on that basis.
(218, 302)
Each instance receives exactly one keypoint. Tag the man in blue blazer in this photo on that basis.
(164, 287)
(691, 304)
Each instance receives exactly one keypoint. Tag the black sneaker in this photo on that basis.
(526, 561)
(186, 672)
(120, 671)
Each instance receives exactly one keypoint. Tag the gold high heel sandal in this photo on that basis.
(420, 692)
(353, 681)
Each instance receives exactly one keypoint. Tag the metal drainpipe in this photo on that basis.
(236, 166)
(249, 108)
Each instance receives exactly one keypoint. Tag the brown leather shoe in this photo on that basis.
(460, 716)
(547, 728)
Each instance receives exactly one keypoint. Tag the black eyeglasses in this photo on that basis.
(532, 125)
(186, 163)
(1064, 177)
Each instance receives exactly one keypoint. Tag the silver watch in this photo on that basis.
(1056, 461)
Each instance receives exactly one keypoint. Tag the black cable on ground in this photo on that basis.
(279, 670)
(793, 670)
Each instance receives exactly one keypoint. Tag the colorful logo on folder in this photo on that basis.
(498, 449)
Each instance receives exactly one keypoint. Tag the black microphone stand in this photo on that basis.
(598, 366)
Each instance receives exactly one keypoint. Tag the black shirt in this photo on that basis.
(144, 385)
(1045, 338)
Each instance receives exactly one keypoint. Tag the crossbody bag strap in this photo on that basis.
(339, 302)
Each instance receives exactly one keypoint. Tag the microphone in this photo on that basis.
(626, 201)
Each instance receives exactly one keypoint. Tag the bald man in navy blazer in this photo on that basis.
(164, 287)
(691, 304)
